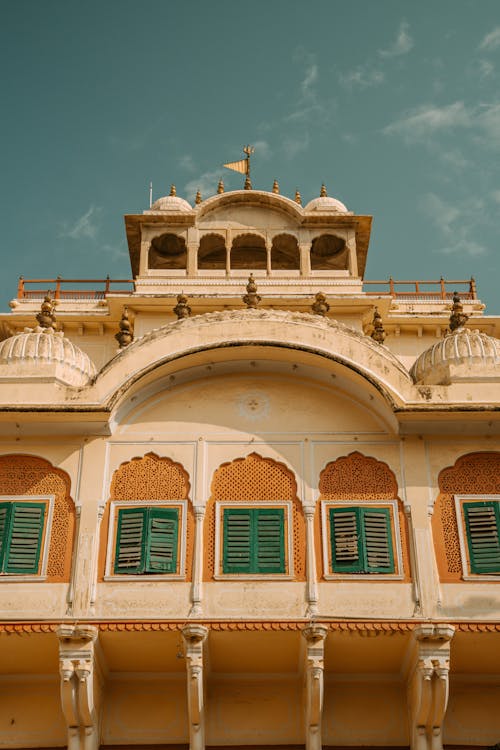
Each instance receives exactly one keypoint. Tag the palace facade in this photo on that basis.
(248, 498)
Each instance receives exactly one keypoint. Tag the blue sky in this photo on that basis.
(395, 105)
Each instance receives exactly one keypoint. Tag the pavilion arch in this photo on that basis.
(471, 474)
(22, 475)
(361, 478)
(167, 251)
(329, 252)
(146, 478)
(280, 204)
(285, 253)
(248, 251)
(212, 252)
(250, 480)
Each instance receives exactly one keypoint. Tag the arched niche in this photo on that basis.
(329, 253)
(212, 252)
(167, 251)
(285, 253)
(248, 251)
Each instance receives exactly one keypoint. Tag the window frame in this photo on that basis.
(460, 501)
(43, 557)
(286, 505)
(397, 553)
(117, 505)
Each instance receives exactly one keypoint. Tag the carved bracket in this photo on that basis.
(428, 684)
(77, 669)
(315, 636)
(194, 637)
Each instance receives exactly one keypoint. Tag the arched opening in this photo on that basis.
(249, 251)
(285, 254)
(328, 253)
(167, 251)
(212, 252)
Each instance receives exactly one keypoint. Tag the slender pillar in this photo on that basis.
(315, 636)
(311, 585)
(194, 637)
(196, 587)
(428, 685)
(305, 258)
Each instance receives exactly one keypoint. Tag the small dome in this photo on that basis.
(38, 348)
(327, 204)
(170, 203)
(461, 355)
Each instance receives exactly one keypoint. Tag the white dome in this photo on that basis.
(326, 203)
(170, 203)
(461, 355)
(36, 349)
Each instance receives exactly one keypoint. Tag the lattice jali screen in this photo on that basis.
(359, 477)
(31, 475)
(150, 477)
(251, 480)
(472, 474)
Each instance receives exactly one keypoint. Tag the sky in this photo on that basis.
(394, 105)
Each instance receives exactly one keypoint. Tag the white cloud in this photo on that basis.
(262, 150)
(402, 44)
(486, 68)
(293, 145)
(85, 226)
(117, 252)
(362, 77)
(496, 196)
(206, 183)
(488, 121)
(309, 80)
(186, 162)
(456, 223)
(429, 119)
(491, 40)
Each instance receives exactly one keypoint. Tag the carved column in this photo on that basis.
(305, 258)
(315, 636)
(79, 685)
(312, 586)
(194, 637)
(428, 684)
(196, 587)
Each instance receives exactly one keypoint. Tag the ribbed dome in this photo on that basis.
(170, 203)
(326, 204)
(46, 347)
(460, 355)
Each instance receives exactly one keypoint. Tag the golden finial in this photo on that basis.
(46, 318)
(182, 309)
(320, 306)
(298, 198)
(251, 298)
(457, 318)
(322, 192)
(248, 183)
(220, 187)
(378, 333)
(124, 335)
(173, 191)
(276, 187)
(197, 200)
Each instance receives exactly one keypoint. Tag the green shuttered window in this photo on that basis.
(254, 540)
(21, 529)
(361, 540)
(482, 523)
(147, 540)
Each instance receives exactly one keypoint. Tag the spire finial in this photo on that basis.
(322, 192)
(251, 298)
(457, 318)
(248, 183)
(197, 200)
(173, 191)
(276, 187)
(378, 333)
(182, 309)
(320, 306)
(220, 187)
(124, 335)
(298, 198)
(46, 317)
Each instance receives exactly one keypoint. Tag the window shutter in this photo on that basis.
(161, 554)
(237, 540)
(24, 538)
(378, 554)
(345, 540)
(482, 521)
(269, 552)
(4, 525)
(130, 541)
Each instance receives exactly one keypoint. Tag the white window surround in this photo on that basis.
(462, 536)
(44, 558)
(219, 508)
(325, 540)
(116, 505)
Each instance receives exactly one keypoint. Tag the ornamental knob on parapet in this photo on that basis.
(182, 309)
(251, 298)
(457, 318)
(46, 317)
(320, 306)
(378, 333)
(124, 335)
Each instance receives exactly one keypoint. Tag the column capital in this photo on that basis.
(315, 634)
